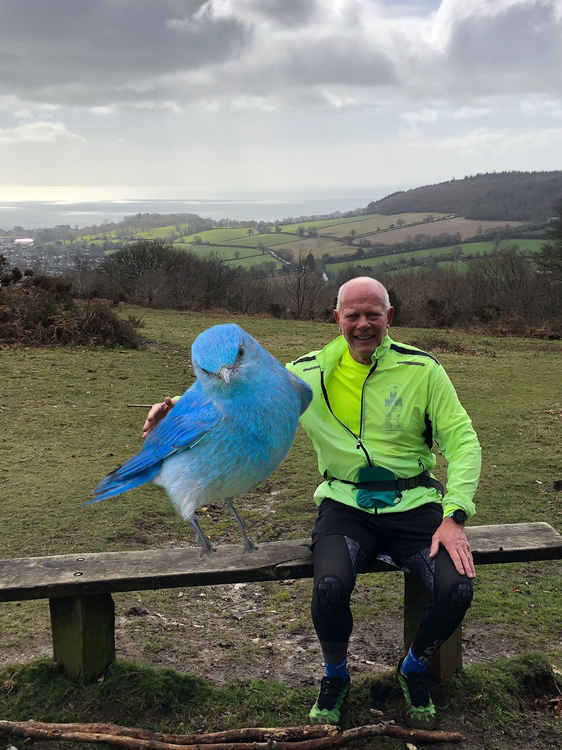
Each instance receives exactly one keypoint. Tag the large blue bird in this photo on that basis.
(227, 432)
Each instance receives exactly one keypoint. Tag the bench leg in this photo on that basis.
(83, 629)
(448, 658)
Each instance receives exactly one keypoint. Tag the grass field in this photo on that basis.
(468, 248)
(370, 223)
(364, 225)
(248, 257)
(269, 240)
(69, 424)
(464, 227)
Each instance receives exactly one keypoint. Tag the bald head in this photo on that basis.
(363, 314)
(363, 285)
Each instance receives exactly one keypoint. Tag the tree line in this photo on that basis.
(505, 196)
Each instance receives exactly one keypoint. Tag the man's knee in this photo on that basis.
(331, 593)
(453, 590)
(457, 596)
(461, 594)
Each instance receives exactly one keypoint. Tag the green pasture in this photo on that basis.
(322, 223)
(468, 249)
(247, 257)
(525, 245)
(162, 233)
(208, 251)
(270, 239)
(318, 246)
(370, 223)
(221, 234)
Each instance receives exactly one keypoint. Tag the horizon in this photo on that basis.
(86, 206)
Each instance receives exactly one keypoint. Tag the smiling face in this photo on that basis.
(363, 316)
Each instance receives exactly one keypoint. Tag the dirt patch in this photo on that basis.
(254, 631)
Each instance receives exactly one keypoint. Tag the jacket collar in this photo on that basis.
(330, 355)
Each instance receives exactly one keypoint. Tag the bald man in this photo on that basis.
(378, 406)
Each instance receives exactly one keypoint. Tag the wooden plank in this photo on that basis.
(68, 575)
(104, 572)
(514, 542)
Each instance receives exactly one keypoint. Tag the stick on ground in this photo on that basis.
(254, 738)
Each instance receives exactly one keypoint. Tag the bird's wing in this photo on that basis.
(193, 416)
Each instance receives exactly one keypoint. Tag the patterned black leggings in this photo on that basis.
(337, 560)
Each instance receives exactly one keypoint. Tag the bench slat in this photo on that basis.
(102, 572)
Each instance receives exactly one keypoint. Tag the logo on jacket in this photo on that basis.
(392, 409)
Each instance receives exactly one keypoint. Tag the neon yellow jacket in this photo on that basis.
(407, 402)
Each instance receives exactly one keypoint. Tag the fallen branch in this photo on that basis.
(249, 734)
(316, 737)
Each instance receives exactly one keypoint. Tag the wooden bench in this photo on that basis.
(79, 586)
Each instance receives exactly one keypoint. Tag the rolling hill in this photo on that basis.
(496, 196)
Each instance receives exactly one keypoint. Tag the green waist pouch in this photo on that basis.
(376, 488)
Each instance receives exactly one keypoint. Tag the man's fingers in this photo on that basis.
(468, 563)
(156, 413)
(434, 547)
(462, 560)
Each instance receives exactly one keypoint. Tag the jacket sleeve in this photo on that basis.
(457, 440)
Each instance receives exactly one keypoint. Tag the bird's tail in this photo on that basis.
(118, 482)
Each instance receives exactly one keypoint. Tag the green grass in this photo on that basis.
(468, 249)
(361, 224)
(221, 234)
(68, 424)
(268, 240)
(492, 705)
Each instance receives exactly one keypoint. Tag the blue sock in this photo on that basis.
(412, 663)
(338, 670)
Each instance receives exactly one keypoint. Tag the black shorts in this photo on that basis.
(399, 535)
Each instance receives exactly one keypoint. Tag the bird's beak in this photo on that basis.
(224, 374)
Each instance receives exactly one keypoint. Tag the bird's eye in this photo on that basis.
(241, 351)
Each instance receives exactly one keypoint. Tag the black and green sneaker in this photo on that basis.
(420, 711)
(327, 709)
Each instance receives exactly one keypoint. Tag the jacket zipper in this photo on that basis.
(359, 443)
(359, 440)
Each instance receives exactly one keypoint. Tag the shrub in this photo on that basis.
(40, 311)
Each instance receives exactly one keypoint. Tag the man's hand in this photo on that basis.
(453, 537)
(156, 414)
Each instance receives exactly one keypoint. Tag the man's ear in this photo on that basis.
(389, 315)
(337, 319)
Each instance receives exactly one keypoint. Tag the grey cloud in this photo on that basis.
(287, 12)
(165, 52)
(46, 45)
(336, 61)
(517, 49)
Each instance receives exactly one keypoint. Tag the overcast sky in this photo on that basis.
(217, 97)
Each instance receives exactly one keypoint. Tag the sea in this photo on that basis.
(34, 208)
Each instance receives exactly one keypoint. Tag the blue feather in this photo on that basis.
(226, 434)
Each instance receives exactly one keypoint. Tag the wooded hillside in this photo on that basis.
(509, 196)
